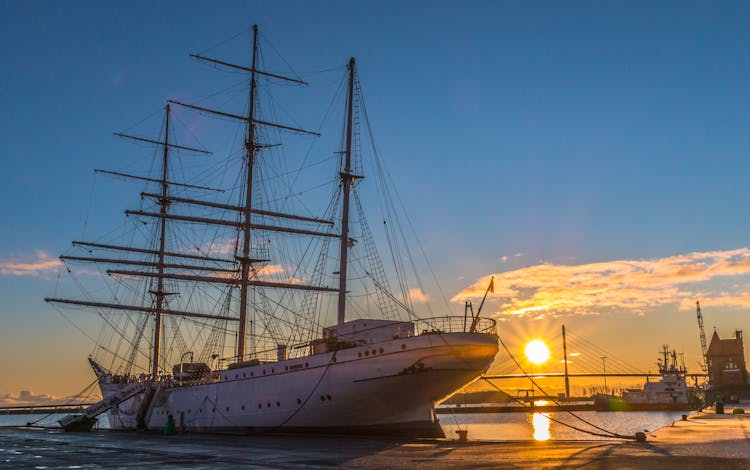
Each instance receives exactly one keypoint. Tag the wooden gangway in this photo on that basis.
(84, 421)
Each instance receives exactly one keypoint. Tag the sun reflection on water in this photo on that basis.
(541, 423)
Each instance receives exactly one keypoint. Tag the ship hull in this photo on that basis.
(390, 387)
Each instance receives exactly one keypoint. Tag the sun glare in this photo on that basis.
(537, 352)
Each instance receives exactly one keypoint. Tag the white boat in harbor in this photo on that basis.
(670, 392)
(313, 345)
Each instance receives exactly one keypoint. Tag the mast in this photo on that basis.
(346, 180)
(160, 294)
(565, 359)
(160, 264)
(250, 147)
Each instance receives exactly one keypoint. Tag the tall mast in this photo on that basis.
(250, 147)
(565, 361)
(244, 225)
(346, 179)
(160, 294)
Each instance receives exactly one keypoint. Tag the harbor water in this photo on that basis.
(552, 426)
(488, 426)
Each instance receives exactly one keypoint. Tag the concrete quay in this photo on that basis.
(704, 441)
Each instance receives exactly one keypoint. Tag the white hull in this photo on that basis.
(391, 383)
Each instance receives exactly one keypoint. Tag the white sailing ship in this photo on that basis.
(304, 355)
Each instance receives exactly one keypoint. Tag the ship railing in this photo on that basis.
(166, 380)
(454, 324)
(254, 358)
(427, 326)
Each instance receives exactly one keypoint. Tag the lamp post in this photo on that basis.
(604, 366)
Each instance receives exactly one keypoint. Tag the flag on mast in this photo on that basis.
(491, 288)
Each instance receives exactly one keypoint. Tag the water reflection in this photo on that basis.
(541, 423)
(525, 426)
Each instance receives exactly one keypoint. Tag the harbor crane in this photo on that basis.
(704, 349)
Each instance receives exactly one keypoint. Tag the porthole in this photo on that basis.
(227, 408)
(328, 397)
(299, 402)
(374, 352)
(200, 410)
(359, 354)
(403, 346)
(213, 410)
(264, 371)
(286, 368)
(381, 350)
(322, 398)
(268, 404)
(367, 353)
(236, 376)
(305, 364)
(243, 375)
(242, 407)
(278, 403)
(260, 406)
(272, 371)
(252, 374)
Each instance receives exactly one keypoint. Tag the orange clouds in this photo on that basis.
(416, 295)
(632, 285)
(43, 264)
(25, 398)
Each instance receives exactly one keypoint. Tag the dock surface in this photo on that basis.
(705, 440)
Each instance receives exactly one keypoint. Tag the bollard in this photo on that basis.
(462, 435)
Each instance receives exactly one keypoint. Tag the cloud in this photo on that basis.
(721, 300)
(224, 246)
(417, 296)
(505, 258)
(270, 269)
(26, 397)
(275, 273)
(624, 285)
(42, 264)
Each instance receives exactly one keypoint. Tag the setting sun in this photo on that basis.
(537, 352)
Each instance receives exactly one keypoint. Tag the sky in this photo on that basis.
(591, 156)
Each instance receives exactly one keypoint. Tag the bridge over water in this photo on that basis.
(573, 357)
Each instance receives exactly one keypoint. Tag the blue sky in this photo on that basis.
(569, 133)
